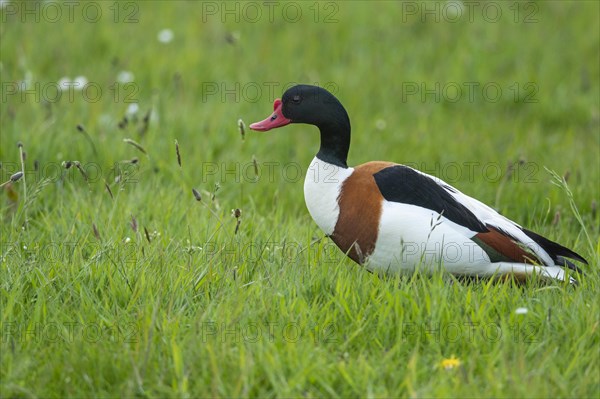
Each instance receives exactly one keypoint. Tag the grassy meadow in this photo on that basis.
(116, 281)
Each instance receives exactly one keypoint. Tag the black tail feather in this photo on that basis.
(556, 251)
(560, 261)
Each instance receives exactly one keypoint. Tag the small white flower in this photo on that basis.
(132, 109)
(64, 83)
(125, 77)
(380, 124)
(80, 82)
(521, 311)
(25, 247)
(127, 240)
(454, 9)
(165, 36)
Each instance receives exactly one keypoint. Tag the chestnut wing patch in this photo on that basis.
(402, 184)
(501, 247)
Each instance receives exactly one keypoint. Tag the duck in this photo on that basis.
(394, 219)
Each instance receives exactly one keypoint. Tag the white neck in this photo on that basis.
(322, 187)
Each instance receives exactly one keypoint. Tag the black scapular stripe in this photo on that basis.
(405, 185)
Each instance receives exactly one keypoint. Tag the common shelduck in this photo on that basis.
(392, 218)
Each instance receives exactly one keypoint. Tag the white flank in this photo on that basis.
(413, 237)
(322, 187)
(489, 216)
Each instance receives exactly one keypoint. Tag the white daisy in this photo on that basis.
(80, 82)
(125, 77)
(132, 109)
(165, 36)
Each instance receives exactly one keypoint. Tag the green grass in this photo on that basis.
(191, 309)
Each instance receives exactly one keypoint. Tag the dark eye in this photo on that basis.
(296, 99)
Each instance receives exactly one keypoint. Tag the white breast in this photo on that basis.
(322, 187)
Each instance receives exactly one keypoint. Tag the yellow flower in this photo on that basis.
(449, 364)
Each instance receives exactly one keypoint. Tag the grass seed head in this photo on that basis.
(123, 123)
(96, 232)
(82, 130)
(109, 190)
(134, 224)
(255, 164)
(80, 169)
(196, 194)
(178, 153)
(237, 214)
(556, 219)
(131, 161)
(214, 193)
(135, 144)
(232, 37)
(510, 167)
(242, 127)
(145, 123)
(16, 177)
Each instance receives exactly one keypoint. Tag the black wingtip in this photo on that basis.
(556, 251)
(560, 261)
